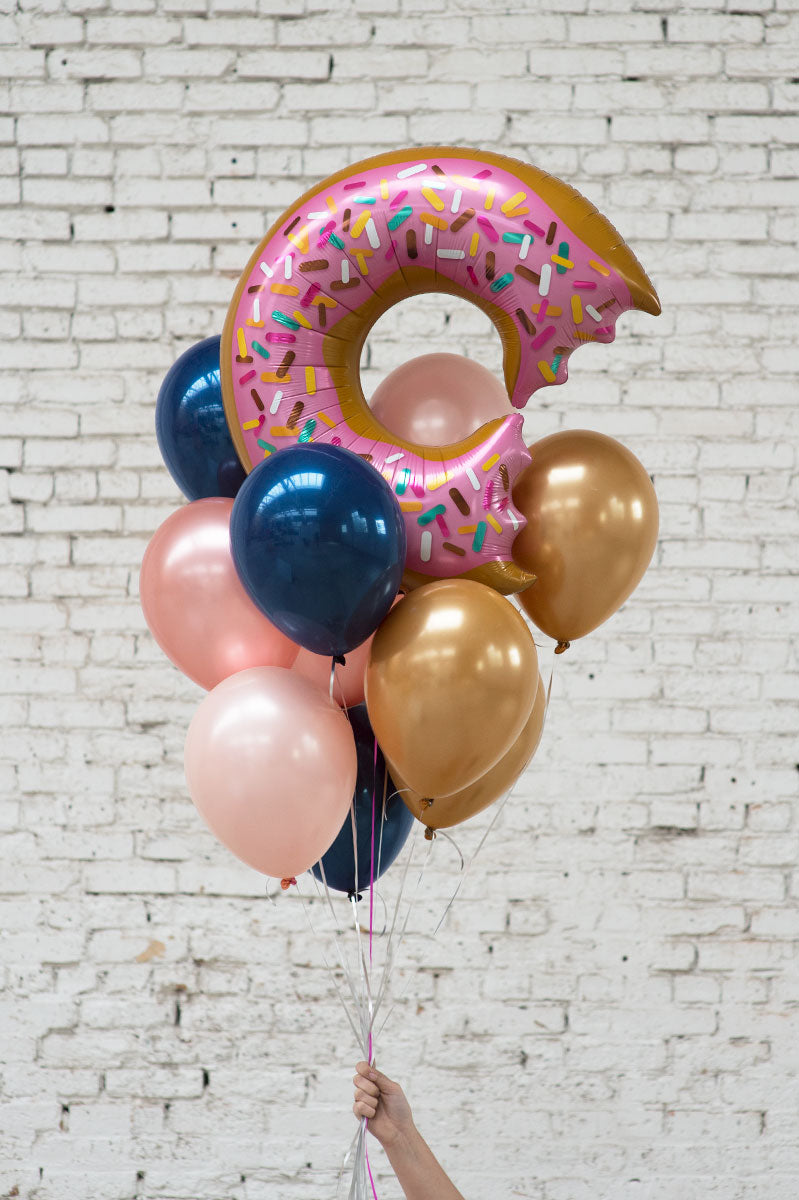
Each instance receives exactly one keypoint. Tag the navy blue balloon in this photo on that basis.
(192, 429)
(339, 860)
(319, 543)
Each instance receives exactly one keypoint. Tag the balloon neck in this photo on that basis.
(562, 647)
(286, 883)
(353, 895)
(429, 833)
(339, 660)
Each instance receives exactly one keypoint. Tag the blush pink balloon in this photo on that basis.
(438, 399)
(194, 603)
(348, 682)
(271, 765)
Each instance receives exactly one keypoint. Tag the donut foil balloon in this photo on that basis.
(551, 272)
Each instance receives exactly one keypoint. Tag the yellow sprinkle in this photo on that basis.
(360, 224)
(384, 189)
(361, 256)
(488, 464)
(489, 200)
(546, 371)
(324, 417)
(577, 309)
(562, 262)
(552, 310)
(410, 505)
(493, 522)
(267, 453)
(283, 431)
(251, 424)
(331, 204)
(511, 208)
(467, 529)
(433, 198)
(583, 337)
(271, 377)
(254, 324)
(432, 219)
(475, 242)
(300, 240)
(603, 270)
(310, 381)
(302, 319)
(327, 301)
(242, 342)
(284, 289)
(437, 481)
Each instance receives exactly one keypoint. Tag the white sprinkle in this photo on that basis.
(428, 234)
(288, 265)
(514, 520)
(546, 275)
(268, 272)
(436, 185)
(592, 312)
(318, 216)
(473, 480)
(395, 457)
(256, 309)
(275, 405)
(456, 201)
(451, 253)
(527, 242)
(426, 548)
(345, 270)
(411, 171)
(372, 234)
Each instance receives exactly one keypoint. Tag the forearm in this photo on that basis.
(420, 1175)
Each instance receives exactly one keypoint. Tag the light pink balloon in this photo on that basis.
(195, 604)
(271, 765)
(438, 399)
(348, 683)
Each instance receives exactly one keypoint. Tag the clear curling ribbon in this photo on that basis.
(549, 270)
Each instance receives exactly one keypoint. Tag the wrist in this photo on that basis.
(402, 1142)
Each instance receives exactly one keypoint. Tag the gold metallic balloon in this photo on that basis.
(450, 684)
(592, 525)
(451, 810)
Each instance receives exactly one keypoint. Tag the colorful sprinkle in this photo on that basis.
(426, 546)
(411, 170)
(488, 464)
(256, 424)
(577, 309)
(280, 337)
(514, 238)
(310, 380)
(267, 270)
(493, 522)
(472, 276)
(475, 242)
(372, 234)
(315, 264)
(384, 189)
(364, 200)
(402, 485)
(242, 342)
(460, 503)
(267, 447)
(456, 201)
(313, 290)
(295, 414)
(432, 199)
(428, 234)
(473, 480)
(546, 276)
(284, 289)
(488, 228)
(526, 273)
(400, 196)
(451, 254)
(527, 242)
(500, 284)
(400, 216)
(543, 337)
(395, 457)
(410, 505)
(442, 525)
(431, 514)
(513, 206)
(536, 229)
(283, 319)
(301, 319)
(551, 233)
(546, 371)
(454, 549)
(586, 284)
(556, 361)
(307, 430)
(589, 308)
(275, 405)
(489, 200)
(462, 220)
(479, 537)
(431, 219)
(600, 267)
(247, 377)
(259, 349)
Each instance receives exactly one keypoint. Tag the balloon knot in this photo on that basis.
(561, 646)
(339, 660)
(426, 804)
(353, 895)
(286, 883)
(429, 834)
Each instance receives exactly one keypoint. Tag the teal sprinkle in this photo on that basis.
(401, 215)
(556, 363)
(563, 251)
(364, 200)
(502, 282)
(431, 514)
(515, 239)
(337, 242)
(307, 430)
(479, 537)
(266, 445)
(259, 349)
(282, 319)
(403, 483)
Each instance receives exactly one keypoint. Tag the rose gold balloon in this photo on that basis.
(271, 765)
(438, 399)
(195, 604)
(592, 525)
(450, 683)
(451, 810)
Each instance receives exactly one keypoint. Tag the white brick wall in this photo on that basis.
(612, 1008)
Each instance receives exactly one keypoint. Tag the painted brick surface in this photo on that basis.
(611, 1009)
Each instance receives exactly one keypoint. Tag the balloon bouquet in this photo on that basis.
(334, 552)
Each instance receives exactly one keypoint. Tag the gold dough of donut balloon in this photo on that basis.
(526, 248)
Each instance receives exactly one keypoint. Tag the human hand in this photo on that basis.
(383, 1103)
